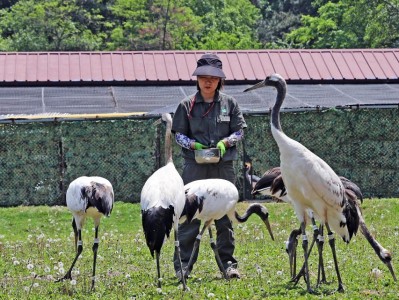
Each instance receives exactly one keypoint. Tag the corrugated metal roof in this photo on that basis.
(165, 67)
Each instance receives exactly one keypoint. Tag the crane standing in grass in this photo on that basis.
(211, 199)
(272, 184)
(162, 201)
(318, 188)
(88, 197)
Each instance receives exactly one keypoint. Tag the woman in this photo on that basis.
(206, 119)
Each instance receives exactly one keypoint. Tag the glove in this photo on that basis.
(199, 146)
(220, 145)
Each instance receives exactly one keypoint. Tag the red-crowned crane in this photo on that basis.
(272, 184)
(88, 197)
(209, 200)
(162, 202)
(317, 188)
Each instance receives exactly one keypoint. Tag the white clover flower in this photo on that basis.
(127, 276)
(16, 262)
(73, 282)
(61, 271)
(35, 285)
(376, 273)
(159, 290)
(75, 272)
(60, 264)
(279, 273)
(211, 295)
(26, 288)
(47, 269)
(30, 266)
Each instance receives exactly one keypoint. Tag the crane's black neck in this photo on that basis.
(376, 246)
(281, 88)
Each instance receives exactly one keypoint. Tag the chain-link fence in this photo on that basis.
(39, 159)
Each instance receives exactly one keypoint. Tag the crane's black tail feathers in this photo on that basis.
(351, 213)
(157, 224)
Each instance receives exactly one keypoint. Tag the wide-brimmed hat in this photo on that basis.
(209, 65)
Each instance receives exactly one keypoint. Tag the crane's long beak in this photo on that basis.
(256, 86)
(389, 265)
(266, 221)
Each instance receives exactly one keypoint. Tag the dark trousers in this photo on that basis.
(224, 231)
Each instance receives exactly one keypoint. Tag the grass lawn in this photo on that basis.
(36, 248)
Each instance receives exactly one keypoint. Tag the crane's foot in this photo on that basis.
(341, 288)
(298, 276)
(67, 276)
(311, 291)
(185, 272)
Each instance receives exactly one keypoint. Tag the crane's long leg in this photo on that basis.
(79, 247)
(95, 249)
(301, 273)
(157, 255)
(215, 250)
(305, 252)
(291, 247)
(195, 247)
(331, 241)
(177, 249)
(320, 243)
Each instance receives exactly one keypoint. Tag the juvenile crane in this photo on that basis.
(251, 178)
(209, 200)
(88, 197)
(162, 201)
(318, 188)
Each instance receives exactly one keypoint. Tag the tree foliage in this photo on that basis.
(67, 25)
(33, 25)
(349, 24)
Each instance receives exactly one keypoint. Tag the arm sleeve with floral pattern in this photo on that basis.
(234, 138)
(183, 140)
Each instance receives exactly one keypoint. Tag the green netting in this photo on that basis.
(361, 145)
(39, 159)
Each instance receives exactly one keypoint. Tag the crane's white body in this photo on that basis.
(317, 187)
(164, 188)
(219, 198)
(78, 202)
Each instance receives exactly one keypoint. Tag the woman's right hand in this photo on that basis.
(199, 146)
